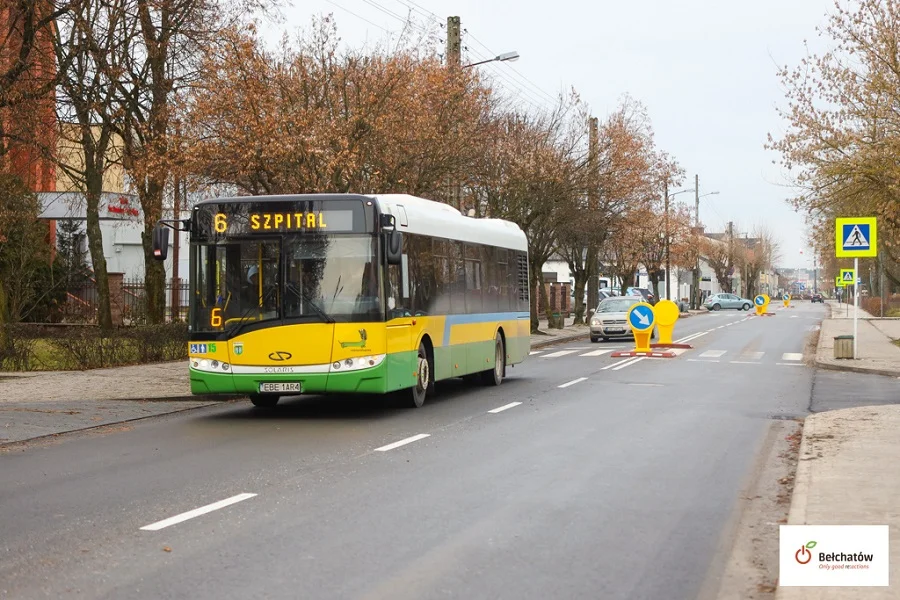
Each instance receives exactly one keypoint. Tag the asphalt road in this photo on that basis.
(613, 478)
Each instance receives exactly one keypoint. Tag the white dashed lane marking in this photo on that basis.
(713, 353)
(573, 382)
(504, 407)
(792, 356)
(403, 442)
(191, 514)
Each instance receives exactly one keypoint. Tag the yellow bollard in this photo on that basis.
(666, 313)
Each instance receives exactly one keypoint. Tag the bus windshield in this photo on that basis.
(288, 278)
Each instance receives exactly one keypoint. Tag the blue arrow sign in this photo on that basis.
(641, 317)
(759, 300)
(786, 297)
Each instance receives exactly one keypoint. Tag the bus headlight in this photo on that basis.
(358, 363)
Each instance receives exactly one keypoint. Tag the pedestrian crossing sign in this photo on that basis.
(848, 276)
(855, 237)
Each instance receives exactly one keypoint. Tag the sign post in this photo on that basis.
(855, 237)
(762, 303)
(642, 320)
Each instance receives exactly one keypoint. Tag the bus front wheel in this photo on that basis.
(418, 392)
(495, 376)
(264, 401)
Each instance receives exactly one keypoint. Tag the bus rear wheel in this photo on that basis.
(264, 400)
(495, 376)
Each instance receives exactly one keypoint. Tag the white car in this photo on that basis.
(610, 318)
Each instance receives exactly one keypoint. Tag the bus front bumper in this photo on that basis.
(363, 381)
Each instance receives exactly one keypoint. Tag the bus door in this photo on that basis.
(401, 351)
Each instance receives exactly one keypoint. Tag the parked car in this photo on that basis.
(610, 318)
(646, 294)
(720, 301)
(818, 298)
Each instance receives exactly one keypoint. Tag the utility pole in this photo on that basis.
(454, 60)
(176, 288)
(695, 295)
(668, 266)
(591, 260)
(730, 257)
(454, 42)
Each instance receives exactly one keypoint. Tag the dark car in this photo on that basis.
(818, 298)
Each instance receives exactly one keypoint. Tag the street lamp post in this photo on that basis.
(505, 57)
(695, 300)
(668, 262)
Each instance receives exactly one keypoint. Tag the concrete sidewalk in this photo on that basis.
(846, 475)
(876, 352)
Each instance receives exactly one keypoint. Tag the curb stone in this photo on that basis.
(855, 369)
(558, 340)
(10, 445)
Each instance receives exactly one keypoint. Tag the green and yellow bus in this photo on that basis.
(345, 293)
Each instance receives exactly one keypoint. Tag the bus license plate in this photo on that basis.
(269, 388)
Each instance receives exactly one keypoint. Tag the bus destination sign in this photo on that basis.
(283, 221)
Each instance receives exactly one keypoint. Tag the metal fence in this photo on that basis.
(82, 301)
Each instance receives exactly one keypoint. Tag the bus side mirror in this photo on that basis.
(160, 242)
(394, 247)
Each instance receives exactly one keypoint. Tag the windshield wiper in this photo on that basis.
(310, 302)
(243, 323)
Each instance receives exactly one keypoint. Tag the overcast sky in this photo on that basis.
(706, 71)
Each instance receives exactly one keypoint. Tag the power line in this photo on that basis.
(415, 7)
(521, 76)
(423, 9)
(359, 16)
(407, 21)
(386, 11)
(499, 72)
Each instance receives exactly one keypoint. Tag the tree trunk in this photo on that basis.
(535, 277)
(154, 270)
(578, 290)
(592, 267)
(4, 330)
(552, 322)
(654, 282)
(95, 246)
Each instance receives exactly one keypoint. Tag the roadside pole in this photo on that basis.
(856, 304)
(855, 237)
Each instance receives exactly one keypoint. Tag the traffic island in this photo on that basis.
(673, 345)
(645, 353)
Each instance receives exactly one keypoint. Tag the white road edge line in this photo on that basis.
(628, 364)
(504, 407)
(693, 336)
(573, 382)
(197, 512)
(403, 442)
(625, 361)
(744, 362)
